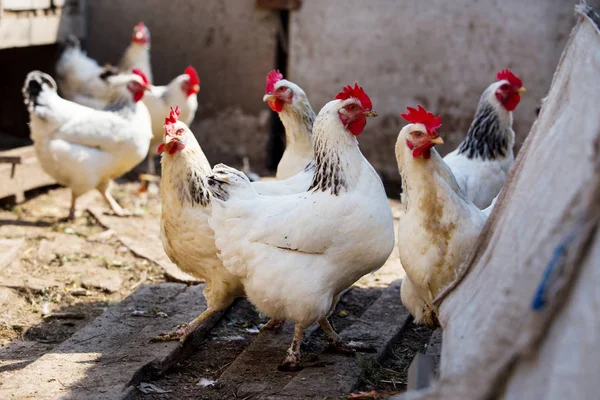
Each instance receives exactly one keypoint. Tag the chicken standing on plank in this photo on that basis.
(482, 161)
(83, 148)
(290, 102)
(182, 92)
(187, 238)
(79, 76)
(296, 253)
(438, 224)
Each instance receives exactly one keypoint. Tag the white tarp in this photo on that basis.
(524, 320)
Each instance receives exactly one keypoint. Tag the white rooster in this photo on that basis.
(80, 77)
(83, 148)
(296, 253)
(181, 92)
(482, 161)
(438, 224)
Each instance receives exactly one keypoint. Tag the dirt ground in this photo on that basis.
(66, 274)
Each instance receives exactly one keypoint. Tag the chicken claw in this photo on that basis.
(275, 325)
(179, 334)
(338, 345)
(291, 362)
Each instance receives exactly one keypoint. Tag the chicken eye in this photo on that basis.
(504, 87)
(282, 88)
(418, 133)
(351, 107)
(179, 131)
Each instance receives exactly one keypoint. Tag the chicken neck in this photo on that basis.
(490, 135)
(297, 120)
(184, 175)
(338, 161)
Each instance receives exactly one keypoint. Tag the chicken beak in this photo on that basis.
(148, 88)
(196, 88)
(269, 97)
(438, 140)
(521, 90)
(370, 113)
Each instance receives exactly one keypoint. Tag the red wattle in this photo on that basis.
(137, 96)
(357, 126)
(161, 148)
(276, 105)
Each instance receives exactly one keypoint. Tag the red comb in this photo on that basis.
(141, 74)
(191, 72)
(421, 116)
(171, 119)
(140, 26)
(506, 74)
(358, 93)
(272, 78)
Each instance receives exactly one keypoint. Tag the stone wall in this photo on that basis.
(438, 53)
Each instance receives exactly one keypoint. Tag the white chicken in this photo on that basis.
(83, 148)
(482, 161)
(290, 102)
(182, 92)
(187, 238)
(296, 253)
(438, 224)
(80, 77)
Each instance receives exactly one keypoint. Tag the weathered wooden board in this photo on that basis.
(20, 28)
(106, 359)
(150, 248)
(28, 174)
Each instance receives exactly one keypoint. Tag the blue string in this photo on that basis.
(539, 299)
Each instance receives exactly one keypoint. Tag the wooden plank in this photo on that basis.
(19, 5)
(106, 359)
(279, 4)
(26, 176)
(30, 30)
(150, 247)
(378, 327)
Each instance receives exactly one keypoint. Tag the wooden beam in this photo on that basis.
(290, 5)
(25, 174)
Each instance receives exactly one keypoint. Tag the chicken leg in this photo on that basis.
(337, 344)
(120, 212)
(274, 325)
(72, 209)
(291, 362)
(182, 332)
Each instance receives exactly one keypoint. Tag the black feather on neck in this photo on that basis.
(328, 172)
(487, 137)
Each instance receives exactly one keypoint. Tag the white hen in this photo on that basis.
(181, 92)
(80, 77)
(438, 224)
(83, 148)
(482, 161)
(290, 102)
(296, 253)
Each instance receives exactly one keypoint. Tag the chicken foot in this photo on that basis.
(337, 344)
(72, 209)
(182, 332)
(120, 212)
(275, 325)
(291, 362)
